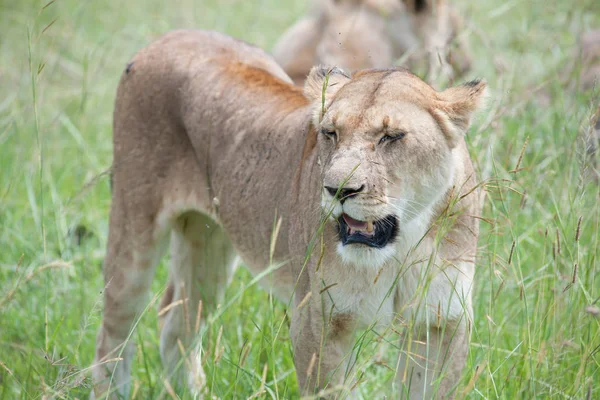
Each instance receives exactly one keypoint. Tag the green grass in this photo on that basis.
(59, 66)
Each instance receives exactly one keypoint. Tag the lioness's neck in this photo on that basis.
(285, 109)
(265, 87)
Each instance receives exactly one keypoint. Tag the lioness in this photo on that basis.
(216, 149)
(357, 34)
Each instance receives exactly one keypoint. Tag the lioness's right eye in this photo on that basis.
(328, 133)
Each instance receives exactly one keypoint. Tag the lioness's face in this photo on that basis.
(386, 154)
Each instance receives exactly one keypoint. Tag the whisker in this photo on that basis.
(409, 213)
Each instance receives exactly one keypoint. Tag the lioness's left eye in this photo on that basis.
(328, 133)
(391, 138)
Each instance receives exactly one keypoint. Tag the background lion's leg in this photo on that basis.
(135, 245)
(433, 26)
(459, 52)
(202, 262)
(438, 352)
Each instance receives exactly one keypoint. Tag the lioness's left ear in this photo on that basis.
(322, 84)
(456, 107)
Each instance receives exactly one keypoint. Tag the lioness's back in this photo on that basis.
(179, 59)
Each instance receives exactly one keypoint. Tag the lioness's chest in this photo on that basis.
(377, 295)
(366, 294)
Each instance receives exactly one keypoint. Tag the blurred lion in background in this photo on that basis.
(589, 79)
(422, 35)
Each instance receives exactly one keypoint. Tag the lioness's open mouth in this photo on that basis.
(372, 233)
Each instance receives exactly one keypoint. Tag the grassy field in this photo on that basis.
(538, 277)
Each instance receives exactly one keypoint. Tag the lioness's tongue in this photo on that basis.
(354, 224)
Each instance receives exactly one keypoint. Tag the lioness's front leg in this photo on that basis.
(322, 346)
(431, 360)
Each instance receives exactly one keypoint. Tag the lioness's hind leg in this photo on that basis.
(135, 245)
(202, 262)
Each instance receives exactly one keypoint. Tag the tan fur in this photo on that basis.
(591, 141)
(213, 144)
(589, 56)
(358, 34)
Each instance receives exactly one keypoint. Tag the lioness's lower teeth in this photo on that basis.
(370, 226)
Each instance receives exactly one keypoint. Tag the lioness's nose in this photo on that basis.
(344, 193)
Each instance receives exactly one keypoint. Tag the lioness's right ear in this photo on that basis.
(322, 84)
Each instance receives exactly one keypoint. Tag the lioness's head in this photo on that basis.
(387, 145)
